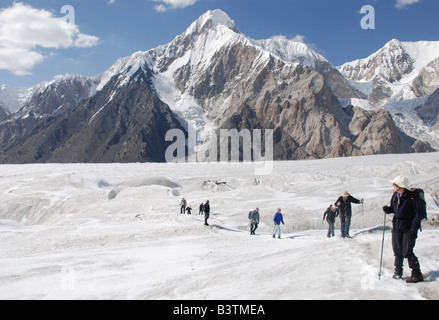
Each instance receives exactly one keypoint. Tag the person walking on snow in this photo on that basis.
(206, 212)
(183, 205)
(278, 218)
(406, 223)
(345, 211)
(254, 220)
(330, 214)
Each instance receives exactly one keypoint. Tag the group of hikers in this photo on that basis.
(343, 208)
(407, 219)
(409, 209)
(204, 209)
(255, 220)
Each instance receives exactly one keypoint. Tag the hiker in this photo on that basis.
(345, 211)
(278, 218)
(183, 205)
(189, 210)
(206, 212)
(406, 223)
(330, 214)
(201, 209)
(254, 221)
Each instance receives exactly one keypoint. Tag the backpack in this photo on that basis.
(420, 204)
(250, 215)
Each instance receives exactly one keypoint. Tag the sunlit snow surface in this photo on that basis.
(114, 231)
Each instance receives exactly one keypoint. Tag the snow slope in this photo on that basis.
(114, 231)
(14, 98)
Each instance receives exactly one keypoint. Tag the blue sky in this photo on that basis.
(105, 30)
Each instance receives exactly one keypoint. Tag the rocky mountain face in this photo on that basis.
(66, 93)
(209, 78)
(427, 80)
(399, 78)
(127, 128)
(429, 112)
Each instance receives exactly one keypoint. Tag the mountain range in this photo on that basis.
(213, 77)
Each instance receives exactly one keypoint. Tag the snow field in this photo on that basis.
(113, 231)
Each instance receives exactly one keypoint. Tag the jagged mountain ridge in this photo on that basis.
(405, 70)
(210, 77)
(127, 128)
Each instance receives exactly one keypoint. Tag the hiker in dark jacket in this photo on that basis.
(345, 211)
(206, 212)
(406, 224)
(254, 221)
(330, 214)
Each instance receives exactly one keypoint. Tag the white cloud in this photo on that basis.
(403, 4)
(23, 29)
(166, 5)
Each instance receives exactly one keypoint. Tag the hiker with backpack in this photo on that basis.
(409, 209)
(254, 220)
(330, 214)
(344, 204)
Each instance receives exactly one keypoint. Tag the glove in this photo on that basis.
(387, 209)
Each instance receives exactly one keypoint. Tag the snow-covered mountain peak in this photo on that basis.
(212, 18)
(397, 61)
(290, 50)
(393, 43)
(391, 63)
(126, 67)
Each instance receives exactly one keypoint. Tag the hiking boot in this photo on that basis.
(416, 277)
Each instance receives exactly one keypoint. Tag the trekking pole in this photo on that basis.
(382, 246)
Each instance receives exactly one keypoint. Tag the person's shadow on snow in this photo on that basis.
(431, 276)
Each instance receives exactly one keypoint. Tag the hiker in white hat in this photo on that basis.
(345, 208)
(405, 229)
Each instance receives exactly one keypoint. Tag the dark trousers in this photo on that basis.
(345, 221)
(253, 227)
(206, 217)
(403, 245)
(331, 229)
(182, 209)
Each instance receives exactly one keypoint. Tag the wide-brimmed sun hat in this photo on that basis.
(345, 193)
(401, 182)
